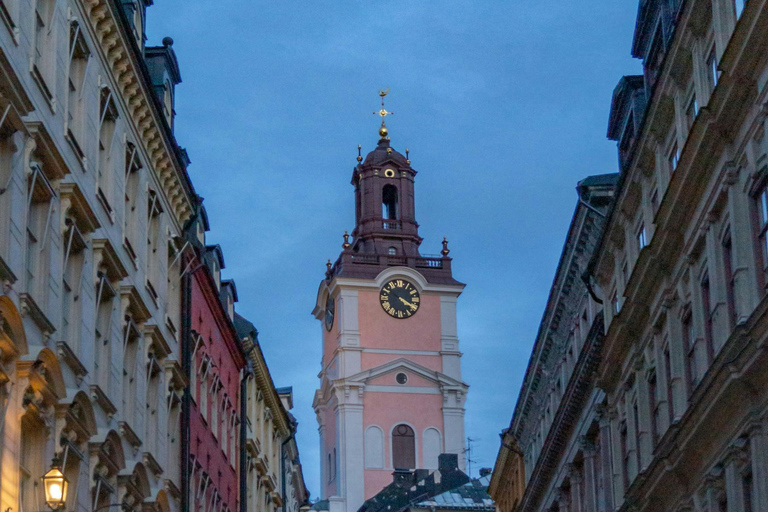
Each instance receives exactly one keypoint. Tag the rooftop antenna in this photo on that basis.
(468, 455)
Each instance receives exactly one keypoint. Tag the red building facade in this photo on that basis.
(216, 363)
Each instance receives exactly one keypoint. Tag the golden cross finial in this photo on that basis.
(383, 113)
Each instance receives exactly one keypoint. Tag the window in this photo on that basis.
(655, 200)
(107, 124)
(105, 299)
(615, 303)
(636, 422)
(433, 447)
(706, 313)
(40, 201)
(43, 56)
(624, 454)
(627, 139)
(389, 202)
(78, 65)
(689, 342)
(673, 157)
(31, 463)
(392, 251)
(130, 215)
(656, 412)
(154, 257)
(691, 110)
(130, 383)
(668, 378)
(747, 489)
(730, 282)
(762, 226)
(641, 237)
(654, 58)
(713, 74)
(403, 447)
(71, 306)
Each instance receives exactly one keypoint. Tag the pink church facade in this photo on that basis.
(391, 394)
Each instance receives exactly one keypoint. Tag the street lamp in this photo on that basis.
(55, 486)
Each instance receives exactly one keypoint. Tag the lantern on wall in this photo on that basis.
(55, 486)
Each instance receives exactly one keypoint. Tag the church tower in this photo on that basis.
(391, 394)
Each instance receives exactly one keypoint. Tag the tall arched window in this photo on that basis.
(403, 447)
(389, 202)
(374, 447)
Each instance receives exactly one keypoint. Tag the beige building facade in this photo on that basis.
(673, 416)
(93, 195)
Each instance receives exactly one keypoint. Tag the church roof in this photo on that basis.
(384, 153)
(473, 495)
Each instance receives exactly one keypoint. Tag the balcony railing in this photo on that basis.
(391, 225)
(429, 262)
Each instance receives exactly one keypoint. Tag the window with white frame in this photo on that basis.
(761, 226)
(79, 58)
(105, 307)
(642, 240)
(691, 110)
(154, 243)
(40, 206)
(673, 155)
(131, 348)
(107, 125)
(713, 73)
(615, 303)
(43, 56)
(71, 305)
(131, 218)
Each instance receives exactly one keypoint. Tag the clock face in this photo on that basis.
(400, 298)
(330, 311)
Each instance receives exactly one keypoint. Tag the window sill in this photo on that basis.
(70, 136)
(9, 24)
(102, 198)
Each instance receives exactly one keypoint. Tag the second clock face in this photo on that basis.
(400, 298)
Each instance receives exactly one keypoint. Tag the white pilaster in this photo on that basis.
(351, 461)
(449, 337)
(349, 333)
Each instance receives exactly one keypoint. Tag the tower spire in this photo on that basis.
(383, 112)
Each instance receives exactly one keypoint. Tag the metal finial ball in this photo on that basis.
(383, 131)
(167, 41)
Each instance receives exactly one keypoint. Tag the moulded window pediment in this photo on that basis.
(158, 345)
(76, 207)
(54, 165)
(133, 304)
(107, 258)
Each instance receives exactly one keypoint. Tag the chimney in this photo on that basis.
(447, 462)
(485, 472)
(401, 477)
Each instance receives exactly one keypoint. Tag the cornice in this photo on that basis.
(124, 61)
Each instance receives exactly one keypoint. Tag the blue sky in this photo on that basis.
(503, 104)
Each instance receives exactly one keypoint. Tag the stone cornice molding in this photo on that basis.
(124, 61)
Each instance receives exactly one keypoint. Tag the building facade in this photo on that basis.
(391, 394)
(93, 196)
(271, 469)
(677, 411)
(212, 415)
(548, 452)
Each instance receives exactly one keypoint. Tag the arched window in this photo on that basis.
(389, 202)
(403, 447)
(392, 251)
(374, 447)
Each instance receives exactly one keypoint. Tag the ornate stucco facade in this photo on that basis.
(391, 394)
(93, 195)
(676, 415)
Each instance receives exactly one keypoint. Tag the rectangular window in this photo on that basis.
(714, 74)
(668, 377)
(747, 488)
(78, 64)
(730, 282)
(636, 421)
(653, 403)
(761, 200)
(615, 303)
(130, 215)
(689, 342)
(43, 55)
(706, 314)
(107, 124)
(673, 157)
(655, 200)
(624, 454)
(641, 238)
(692, 110)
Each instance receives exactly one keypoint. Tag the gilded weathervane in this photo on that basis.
(383, 113)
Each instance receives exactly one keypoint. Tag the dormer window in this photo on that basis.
(392, 251)
(168, 102)
(738, 6)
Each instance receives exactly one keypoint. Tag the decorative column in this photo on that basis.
(351, 470)
(589, 489)
(604, 416)
(713, 489)
(734, 459)
(758, 444)
(575, 475)
(563, 500)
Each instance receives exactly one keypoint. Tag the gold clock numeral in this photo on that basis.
(415, 300)
(408, 312)
(414, 292)
(399, 314)
(391, 311)
(384, 297)
(399, 283)
(386, 305)
(391, 285)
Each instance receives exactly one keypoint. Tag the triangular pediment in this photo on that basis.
(401, 364)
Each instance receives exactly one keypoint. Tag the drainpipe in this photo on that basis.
(243, 434)
(282, 467)
(186, 364)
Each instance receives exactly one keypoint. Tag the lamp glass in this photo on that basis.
(55, 488)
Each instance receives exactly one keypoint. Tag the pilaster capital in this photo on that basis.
(575, 473)
(587, 446)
